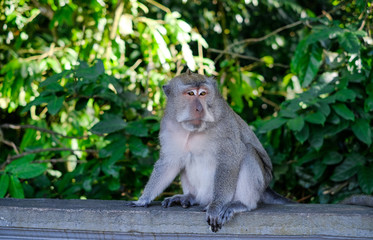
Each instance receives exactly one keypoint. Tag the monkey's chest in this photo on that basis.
(198, 176)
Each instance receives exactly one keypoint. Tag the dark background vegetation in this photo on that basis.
(81, 99)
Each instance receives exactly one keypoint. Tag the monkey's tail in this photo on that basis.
(362, 200)
(271, 197)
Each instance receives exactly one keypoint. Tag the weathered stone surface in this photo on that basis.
(99, 219)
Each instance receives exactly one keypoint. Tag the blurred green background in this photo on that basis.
(81, 99)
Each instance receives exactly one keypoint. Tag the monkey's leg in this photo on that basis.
(185, 200)
(230, 209)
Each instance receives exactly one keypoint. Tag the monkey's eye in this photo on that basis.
(190, 93)
(203, 93)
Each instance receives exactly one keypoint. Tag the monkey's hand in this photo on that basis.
(185, 201)
(139, 203)
(213, 217)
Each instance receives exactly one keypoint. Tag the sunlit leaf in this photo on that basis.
(15, 188)
(188, 56)
(4, 184)
(30, 170)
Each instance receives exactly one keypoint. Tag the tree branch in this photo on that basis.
(14, 126)
(50, 150)
(160, 6)
(278, 30)
(245, 57)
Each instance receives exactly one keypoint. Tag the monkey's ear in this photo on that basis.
(189, 72)
(167, 90)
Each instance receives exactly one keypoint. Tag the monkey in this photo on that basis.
(223, 166)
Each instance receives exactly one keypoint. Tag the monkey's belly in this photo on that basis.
(198, 177)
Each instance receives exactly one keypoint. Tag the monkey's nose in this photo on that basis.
(199, 108)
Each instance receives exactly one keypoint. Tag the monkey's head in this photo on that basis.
(191, 101)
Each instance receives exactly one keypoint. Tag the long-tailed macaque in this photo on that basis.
(222, 164)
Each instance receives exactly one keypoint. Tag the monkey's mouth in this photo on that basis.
(196, 122)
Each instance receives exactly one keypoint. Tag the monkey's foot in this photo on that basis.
(185, 201)
(216, 218)
(213, 218)
(229, 209)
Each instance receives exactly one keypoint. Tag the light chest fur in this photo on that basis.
(188, 151)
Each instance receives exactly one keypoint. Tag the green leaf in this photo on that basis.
(114, 184)
(87, 184)
(299, 55)
(345, 94)
(317, 139)
(296, 124)
(108, 126)
(332, 157)
(302, 135)
(316, 118)
(314, 63)
(308, 157)
(368, 104)
(137, 128)
(324, 108)
(349, 41)
(19, 163)
(55, 104)
(28, 138)
(271, 124)
(348, 168)
(343, 111)
(4, 184)
(54, 78)
(15, 188)
(318, 169)
(137, 147)
(110, 169)
(100, 69)
(362, 131)
(37, 101)
(29, 170)
(365, 179)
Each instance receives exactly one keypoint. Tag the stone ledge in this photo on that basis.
(102, 219)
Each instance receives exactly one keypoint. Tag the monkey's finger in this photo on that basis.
(165, 203)
(185, 204)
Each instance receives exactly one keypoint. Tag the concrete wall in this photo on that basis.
(98, 219)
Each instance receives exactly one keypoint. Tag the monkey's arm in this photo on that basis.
(164, 172)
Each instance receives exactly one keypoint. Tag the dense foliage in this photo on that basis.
(81, 100)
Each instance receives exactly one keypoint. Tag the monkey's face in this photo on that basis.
(190, 99)
(194, 112)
